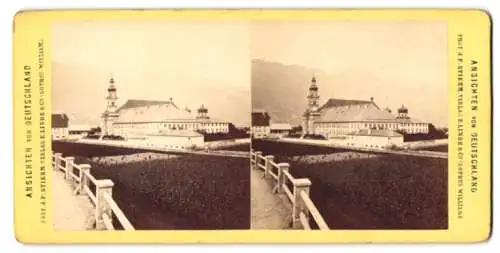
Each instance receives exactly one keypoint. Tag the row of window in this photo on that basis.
(177, 126)
(371, 125)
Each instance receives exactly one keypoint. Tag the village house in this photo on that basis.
(279, 129)
(59, 129)
(261, 127)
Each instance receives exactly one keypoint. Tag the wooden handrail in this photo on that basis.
(288, 193)
(92, 179)
(108, 222)
(118, 212)
(304, 222)
(289, 176)
(314, 211)
(302, 204)
(103, 201)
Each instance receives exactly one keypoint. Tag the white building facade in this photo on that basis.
(340, 117)
(261, 127)
(371, 138)
(59, 128)
(151, 117)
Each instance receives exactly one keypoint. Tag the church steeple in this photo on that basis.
(313, 95)
(110, 114)
(112, 96)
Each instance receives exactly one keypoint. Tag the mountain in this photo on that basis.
(80, 91)
(282, 89)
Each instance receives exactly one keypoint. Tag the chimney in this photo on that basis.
(371, 99)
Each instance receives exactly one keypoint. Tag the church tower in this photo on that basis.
(110, 114)
(403, 113)
(312, 111)
(111, 98)
(313, 96)
(202, 113)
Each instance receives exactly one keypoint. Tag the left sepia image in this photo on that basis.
(150, 125)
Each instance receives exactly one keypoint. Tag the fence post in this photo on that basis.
(84, 180)
(282, 167)
(69, 167)
(251, 158)
(58, 157)
(257, 159)
(269, 159)
(300, 185)
(104, 186)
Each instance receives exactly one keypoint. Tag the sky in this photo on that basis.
(209, 62)
(193, 61)
(399, 62)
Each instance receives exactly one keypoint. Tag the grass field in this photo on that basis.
(370, 191)
(238, 147)
(161, 191)
(441, 148)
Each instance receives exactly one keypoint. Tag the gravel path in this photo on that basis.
(269, 210)
(71, 212)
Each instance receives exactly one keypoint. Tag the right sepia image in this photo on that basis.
(349, 124)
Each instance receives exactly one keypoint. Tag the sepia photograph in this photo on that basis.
(349, 124)
(150, 125)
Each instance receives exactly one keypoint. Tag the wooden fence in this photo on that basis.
(101, 197)
(303, 206)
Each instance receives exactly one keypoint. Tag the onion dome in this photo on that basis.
(202, 109)
(111, 85)
(313, 87)
(387, 109)
(402, 109)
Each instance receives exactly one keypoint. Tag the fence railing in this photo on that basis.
(303, 207)
(98, 191)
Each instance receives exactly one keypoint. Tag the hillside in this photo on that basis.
(80, 90)
(282, 89)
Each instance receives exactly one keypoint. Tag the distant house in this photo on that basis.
(260, 124)
(280, 129)
(373, 138)
(59, 126)
(78, 130)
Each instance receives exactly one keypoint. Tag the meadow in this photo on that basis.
(245, 147)
(163, 191)
(440, 148)
(354, 190)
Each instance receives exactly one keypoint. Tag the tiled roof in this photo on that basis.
(132, 103)
(375, 132)
(260, 118)
(59, 120)
(332, 102)
(352, 110)
(151, 111)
